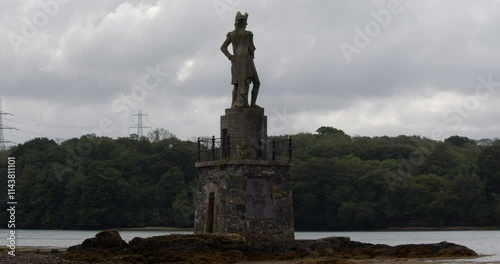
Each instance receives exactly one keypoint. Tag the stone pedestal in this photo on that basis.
(247, 131)
(245, 192)
(252, 199)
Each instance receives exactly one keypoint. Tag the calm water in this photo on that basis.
(483, 242)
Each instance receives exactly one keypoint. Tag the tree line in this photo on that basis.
(344, 182)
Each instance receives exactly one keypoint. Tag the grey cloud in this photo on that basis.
(94, 52)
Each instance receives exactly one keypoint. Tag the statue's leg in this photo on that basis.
(244, 92)
(255, 92)
(242, 97)
(235, 94)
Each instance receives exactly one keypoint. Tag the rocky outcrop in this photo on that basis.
(99, 248)
(343, 246)
(108, 240)
(221, 242)
(233, 248)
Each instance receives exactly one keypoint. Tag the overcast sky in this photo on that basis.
(370, 68)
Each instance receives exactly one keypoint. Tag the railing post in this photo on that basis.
(274, 149)
(199, 143)
(228, 146)
(213, 147)
(289, 148)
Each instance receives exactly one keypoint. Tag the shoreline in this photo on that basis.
(451, 228)
(146, 228)
(37, 255)
(49, 258)
(413, 228)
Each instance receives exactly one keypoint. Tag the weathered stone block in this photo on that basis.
(247, 128)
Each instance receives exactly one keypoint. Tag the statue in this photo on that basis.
(242, 67)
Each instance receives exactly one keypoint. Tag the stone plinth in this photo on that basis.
(248, 197)
(247, 128)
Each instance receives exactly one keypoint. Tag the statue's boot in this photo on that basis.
(242, 100)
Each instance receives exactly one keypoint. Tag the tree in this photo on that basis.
(327, 130)
(159, 134)
(183, 209)
(458, 141)
(441, 159)
(338, 182)
(170, 185)
(472, 205)
(488, 169)
(103, 198)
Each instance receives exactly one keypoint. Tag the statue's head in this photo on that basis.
(241, 20)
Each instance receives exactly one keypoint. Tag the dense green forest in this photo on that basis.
(339, 182)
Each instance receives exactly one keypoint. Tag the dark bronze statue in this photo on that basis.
(242, 67)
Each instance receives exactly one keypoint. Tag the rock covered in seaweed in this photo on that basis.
(343, 246)
(107, 239)
(233, 248)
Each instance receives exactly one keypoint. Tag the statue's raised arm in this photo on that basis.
(243, 70)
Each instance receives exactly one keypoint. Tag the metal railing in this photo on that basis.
(274, 148)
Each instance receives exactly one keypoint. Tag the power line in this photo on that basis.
(38, 123)
(139, 126)
(2, 128)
